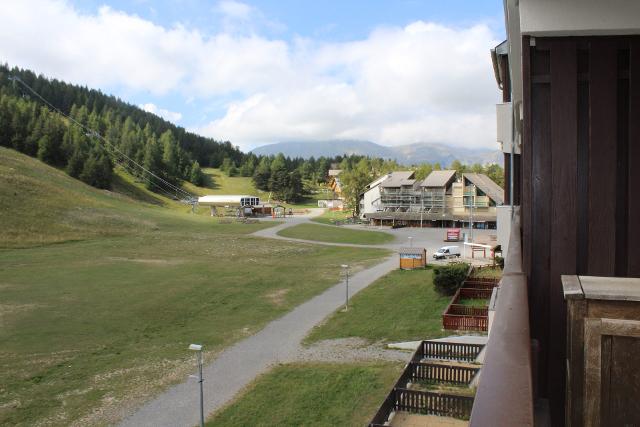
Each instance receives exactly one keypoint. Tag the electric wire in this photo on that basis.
(187, 197)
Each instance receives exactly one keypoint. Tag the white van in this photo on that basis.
(447, 252)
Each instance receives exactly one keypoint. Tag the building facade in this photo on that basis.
(440, 200)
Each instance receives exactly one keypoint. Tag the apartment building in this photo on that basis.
(440, 200)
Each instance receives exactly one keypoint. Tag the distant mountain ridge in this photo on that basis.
(421, 152)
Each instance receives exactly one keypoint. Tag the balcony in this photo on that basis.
(505, 393)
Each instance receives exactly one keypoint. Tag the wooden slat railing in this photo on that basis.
(447, 351)
(467, 310)
(431, 403)
(480, 285)
(474, 293)
(465, 322)
(450, 374)
(432, 350)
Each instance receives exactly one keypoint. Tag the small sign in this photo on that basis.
(453, 235)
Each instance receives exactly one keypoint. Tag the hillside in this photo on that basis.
(410, 154)
(207, 151)
(40, 204)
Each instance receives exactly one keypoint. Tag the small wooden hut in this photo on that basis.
(411, 258)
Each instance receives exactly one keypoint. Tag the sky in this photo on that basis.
(266, 71)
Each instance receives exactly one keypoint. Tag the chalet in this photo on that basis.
(371, 198)
(439, 200)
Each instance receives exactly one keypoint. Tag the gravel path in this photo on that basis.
(350, 350)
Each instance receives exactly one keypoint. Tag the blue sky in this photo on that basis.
(257, 72)
(329, 20)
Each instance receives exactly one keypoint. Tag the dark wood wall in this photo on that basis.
(580, 179)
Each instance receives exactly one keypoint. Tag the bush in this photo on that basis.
(447, 279)
(499, 261)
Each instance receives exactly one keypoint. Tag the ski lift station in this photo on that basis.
(244, 205)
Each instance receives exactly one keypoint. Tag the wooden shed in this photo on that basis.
(411, 258)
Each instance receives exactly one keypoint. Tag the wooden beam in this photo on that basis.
(602, 157)
(633, 237)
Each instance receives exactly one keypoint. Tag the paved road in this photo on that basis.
(278, 342)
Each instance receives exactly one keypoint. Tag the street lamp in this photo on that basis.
(345, 269)
(198, 349)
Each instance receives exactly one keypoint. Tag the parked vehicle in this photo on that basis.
(447, 252)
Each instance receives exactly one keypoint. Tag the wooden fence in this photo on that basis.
(465, 323)
(479, 285)
(450, 374)
(402, 399)
(430, 403)
(474, 293)
(461, 317)
(467, 310)
(447, 351)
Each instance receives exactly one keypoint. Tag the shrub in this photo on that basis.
(499, 261)
(447, 279)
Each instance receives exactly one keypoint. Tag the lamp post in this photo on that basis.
(345, 269)
(198, 349)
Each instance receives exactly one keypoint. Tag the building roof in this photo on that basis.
(490, 188)
(439, 178)
(397, 179)
(334, 172)
(411, 251)
(227, 199)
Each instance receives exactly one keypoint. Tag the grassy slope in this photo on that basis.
(403, 305)
(312, 394)
(101, 319)
(329, 217)
(217, 182)
(322, 233)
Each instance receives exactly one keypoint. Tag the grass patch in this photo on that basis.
(488, 273)
(322, 233)
(218, 182)
(312, 394)
(101, 320)
(330, 217)
(401, 306)
(474, 302)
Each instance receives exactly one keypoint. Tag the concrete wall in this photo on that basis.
(504, 227)
(579, 17)
(371, 196)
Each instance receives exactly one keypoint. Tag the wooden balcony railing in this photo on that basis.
(505, 394)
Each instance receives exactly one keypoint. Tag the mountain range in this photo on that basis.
(421, 152)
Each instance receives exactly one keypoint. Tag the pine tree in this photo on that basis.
(196, 176)
(262, 174)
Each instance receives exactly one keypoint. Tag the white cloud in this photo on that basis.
(235, 9)
(165, 114)
(421, 82)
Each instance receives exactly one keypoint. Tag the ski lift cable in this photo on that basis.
(92, 132)
(123, 164)
(131, 171)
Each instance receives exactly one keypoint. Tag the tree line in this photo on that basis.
(166, 150)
